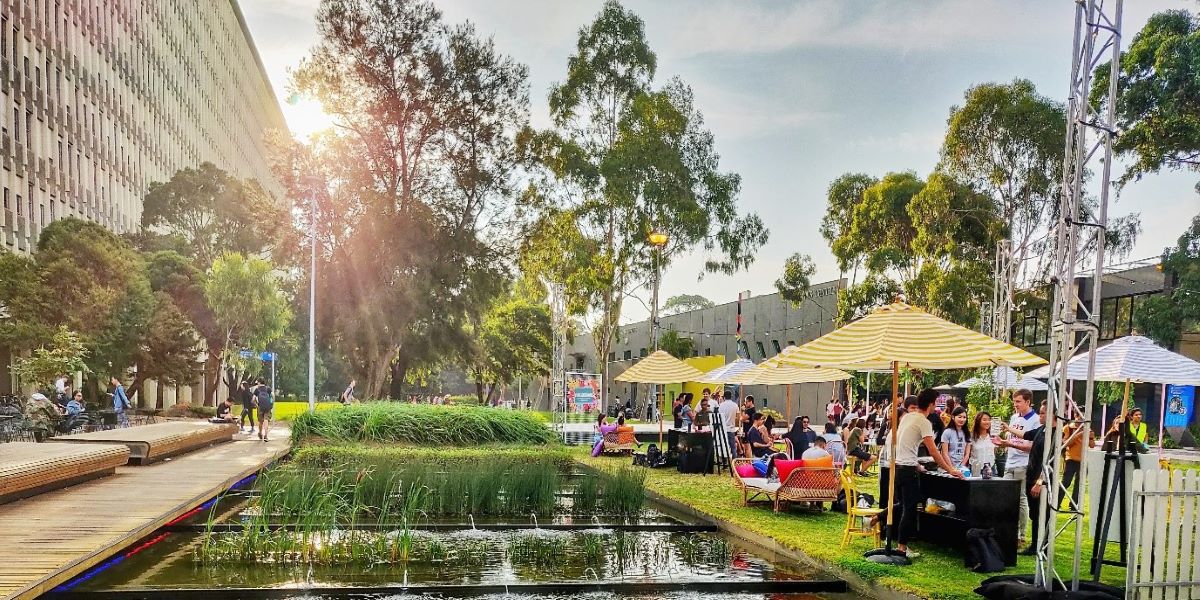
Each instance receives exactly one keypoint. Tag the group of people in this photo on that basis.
(254, 396)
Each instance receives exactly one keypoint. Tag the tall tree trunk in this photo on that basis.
(479, 387)
(212, 376)
(399, 373)
(135, 390)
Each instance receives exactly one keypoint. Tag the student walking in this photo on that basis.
(120, 402)
(266, 403)
(246, 397)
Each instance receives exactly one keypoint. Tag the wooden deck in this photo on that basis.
(50, 538)
(150, 443)
(28, 469)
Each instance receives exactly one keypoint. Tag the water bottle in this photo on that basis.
(966, 471)
(986, 471)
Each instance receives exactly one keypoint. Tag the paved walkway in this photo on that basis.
(50, 538)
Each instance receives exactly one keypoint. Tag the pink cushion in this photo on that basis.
(746, 470)
(785, 467)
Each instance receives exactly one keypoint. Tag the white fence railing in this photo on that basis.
(1164, 542)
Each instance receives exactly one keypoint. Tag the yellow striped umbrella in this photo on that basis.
(899, 334)
(661, 368)
(774, 372)
(908, 336)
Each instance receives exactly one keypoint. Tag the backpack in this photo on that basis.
(983, 553)
(263, 395)
(653, 456)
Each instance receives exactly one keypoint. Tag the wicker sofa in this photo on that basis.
(803, 484)
(620, 441)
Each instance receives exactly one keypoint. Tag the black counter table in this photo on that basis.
(978, 503)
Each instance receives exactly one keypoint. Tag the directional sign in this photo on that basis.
(246, 354)
(268, 357)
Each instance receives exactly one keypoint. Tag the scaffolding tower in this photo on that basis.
(1002, 292)
(558, 358)
(1079, 242)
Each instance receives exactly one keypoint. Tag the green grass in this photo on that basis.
(287, 411)
(937, 574)
(422, 425)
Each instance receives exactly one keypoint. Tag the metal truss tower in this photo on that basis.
(1079, 235)
(558, 358)
(1002, 293)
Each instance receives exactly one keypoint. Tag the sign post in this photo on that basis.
(270, 356)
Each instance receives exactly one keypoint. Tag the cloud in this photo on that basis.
(732, 26)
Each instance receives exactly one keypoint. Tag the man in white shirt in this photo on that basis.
(730, 413)
(815, 451)
(1023, 419)
(915, 431)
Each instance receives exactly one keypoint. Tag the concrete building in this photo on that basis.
(769, 324)
(100, 98)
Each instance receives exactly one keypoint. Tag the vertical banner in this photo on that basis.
(1179, 405)
(583, 391)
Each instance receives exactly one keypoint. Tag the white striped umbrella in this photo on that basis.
(1132, 358)
(727, 373)
(1005, 378)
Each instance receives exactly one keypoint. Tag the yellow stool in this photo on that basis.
(853, 512)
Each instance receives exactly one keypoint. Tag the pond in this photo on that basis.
(247, 548)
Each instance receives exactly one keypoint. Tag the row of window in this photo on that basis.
(1031, 327)
(104, 97)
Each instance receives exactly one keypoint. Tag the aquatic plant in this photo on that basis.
(422, 425)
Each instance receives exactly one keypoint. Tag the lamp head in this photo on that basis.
(658, 238)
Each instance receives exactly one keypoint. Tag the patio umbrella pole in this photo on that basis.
(1162, 419)
(887, 555)
(788, 420)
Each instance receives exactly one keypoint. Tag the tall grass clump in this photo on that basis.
(422, 425)
(623, 492)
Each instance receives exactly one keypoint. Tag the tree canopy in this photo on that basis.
(1165, 317)
(685, 302)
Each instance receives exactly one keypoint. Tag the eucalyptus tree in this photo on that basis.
(628, 158)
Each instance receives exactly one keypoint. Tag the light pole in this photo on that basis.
(659, 240)
(312, 304)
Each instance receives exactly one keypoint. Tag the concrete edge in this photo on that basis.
(857, 583)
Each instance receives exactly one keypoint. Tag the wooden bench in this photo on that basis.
(28, 468)
(149, 443)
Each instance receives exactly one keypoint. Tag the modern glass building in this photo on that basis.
(102, 97)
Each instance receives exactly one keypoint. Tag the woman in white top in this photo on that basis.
(983, 451)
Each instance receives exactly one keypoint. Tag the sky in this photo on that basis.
(795, 93)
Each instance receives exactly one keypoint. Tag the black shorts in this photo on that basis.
(264, 412)
(860, 453)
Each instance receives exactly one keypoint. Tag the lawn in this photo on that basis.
(286, 411)
(936, 574)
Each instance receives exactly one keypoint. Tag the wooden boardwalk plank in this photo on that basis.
(50, 538)
(149, 443)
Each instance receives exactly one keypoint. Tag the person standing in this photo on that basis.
(348, 393)
(983, 451)
(1024, 419)
(246, 397)
(266, 403)
(120, 402)
(676, 412)
(915, 431)
(728, 410)
(1033, 443)
(61, 395)
(749, 412)
(685, 411)
(956, 439)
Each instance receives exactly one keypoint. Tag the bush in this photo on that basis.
(191, 411)
(422, 425)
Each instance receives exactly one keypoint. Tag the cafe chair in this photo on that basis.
(858, 520)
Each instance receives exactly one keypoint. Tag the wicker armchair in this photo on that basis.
(754, 489)
(809, 484)
(620, 441)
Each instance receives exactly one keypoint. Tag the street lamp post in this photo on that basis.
(312, 305)
(659, 240)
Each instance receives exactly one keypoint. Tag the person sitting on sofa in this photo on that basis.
(604, 429)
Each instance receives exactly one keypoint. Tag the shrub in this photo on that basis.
(422, 425)
(193, 411)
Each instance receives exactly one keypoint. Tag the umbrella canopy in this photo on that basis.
(773, 372)
(899, 333)
(662, 368)
(1132, 358)
(726, 373)
(1005, 378)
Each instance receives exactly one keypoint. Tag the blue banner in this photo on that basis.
(1180, 404)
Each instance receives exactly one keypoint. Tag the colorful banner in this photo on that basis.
(1180, 404)
(583, 391)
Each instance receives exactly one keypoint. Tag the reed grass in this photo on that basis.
(422, 425)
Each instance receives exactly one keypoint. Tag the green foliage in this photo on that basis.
(676, 345)
(857, 301)
(515, 340)
(685, 302)
(417, 424)
(64, 354)
(100, 290)
(625, 159)
(24, 300)
(798, 270)
(1158, 97)
(168, 347)
(1110, 393)
(213, 213)
(246, 302)
(1164, 318)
